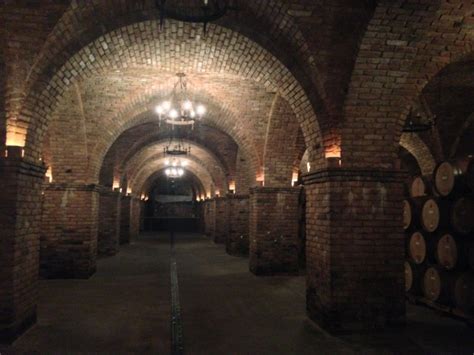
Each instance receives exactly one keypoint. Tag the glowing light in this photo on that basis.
(218, 193)
(166, 105)
(308, 166)
(167, 162)
(184, 163)
(173, 114)
(294, 178)
(159, 110)
(49, 174)
(15, 138)
(187, 105)
(116, 184)
(232, 186)
(200, 110)
(129, 191)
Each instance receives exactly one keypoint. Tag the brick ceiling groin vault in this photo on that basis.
(325, 80)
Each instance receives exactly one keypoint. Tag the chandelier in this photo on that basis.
(174, 172)
(179, 110)
(177, 148)
(194, 11)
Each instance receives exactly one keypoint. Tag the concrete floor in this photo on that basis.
(125, 308)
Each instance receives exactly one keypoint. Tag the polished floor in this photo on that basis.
(125, 308)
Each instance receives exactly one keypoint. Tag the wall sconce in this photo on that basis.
(49, 174)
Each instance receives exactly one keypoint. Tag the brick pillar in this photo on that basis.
(221, 220)
(237, 242)
(69, 231)
(134, 218)
(355, 248)
(273, 230)
(210, 218)
(109, 222)
(125, 212)
(20, 216)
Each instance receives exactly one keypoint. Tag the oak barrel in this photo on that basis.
(420, 186)
(448, 251)
(413, 277)
(417, 247)
(444, 178)
(408, 216)
(428, 211)
(437, 285)
(463, 291)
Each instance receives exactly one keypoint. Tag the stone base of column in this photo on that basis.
(221, 222)
(237, 241)
(355, 249)
(69, 231)
(20, 206)
(274, 231)
(109, 222)
(125, 212)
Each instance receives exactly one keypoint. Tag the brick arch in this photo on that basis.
(394, 64)
(151, 180)
(420, 151)
(141, 110)
(200, 155)
(157, 164)
(144, 39)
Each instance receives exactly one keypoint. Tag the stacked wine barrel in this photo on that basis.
(438, 217)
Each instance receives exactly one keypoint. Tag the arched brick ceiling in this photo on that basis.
(157, 164)
(145, 135)
(142, 46)
(450, 96)
(189, 178)
(199, 155)
(413, 144)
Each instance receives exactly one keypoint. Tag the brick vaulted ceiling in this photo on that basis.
(96, 70)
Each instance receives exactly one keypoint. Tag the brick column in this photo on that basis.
(135, 210)
(20, 216)
(355, 248)
(125, 213)
(109, 222)
(237, 242)
(273, 230)
(221, 220)
(210, 218)
(69, 231)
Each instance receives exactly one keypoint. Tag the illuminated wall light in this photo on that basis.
(232, 186)
(49, 174)
(261, 178)
(218, 193)
(116, 184)
(16, 136)
(208, 196)
(294, 178)
(308, 167)
(129, 191)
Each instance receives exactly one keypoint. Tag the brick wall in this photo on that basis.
(125, 222)
(109, 222)
(135, 218)
(20, 217)
(69, 231)
(237, 241)
(355, 248)
(221, 219)
(273, 230)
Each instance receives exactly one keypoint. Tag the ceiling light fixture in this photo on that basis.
(194, 11)
(179, 110)
(174, 172)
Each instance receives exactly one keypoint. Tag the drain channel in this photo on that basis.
(177, 342)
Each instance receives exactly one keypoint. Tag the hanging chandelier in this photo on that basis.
(174, 172)
(194, 11)
(173, 162)
(176, 148)
(179, 110)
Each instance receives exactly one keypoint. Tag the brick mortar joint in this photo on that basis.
(271, 190)
(341, 174)
(73, 187)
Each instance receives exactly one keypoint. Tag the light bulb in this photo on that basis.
(167, 162)
(159, 110)
(174, 163)
(184, 163)
(187, 105)
(201, 110)
(166, 105)
(173, 114)
(192, 114)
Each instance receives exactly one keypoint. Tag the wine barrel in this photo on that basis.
(428, 211)
(462, 215)
(437, 285)
(470, 255)
(463, 291)
(413, 276)
(417, 248)
(448, 251)
(420, 186)
(444, 178)
(408, 216)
